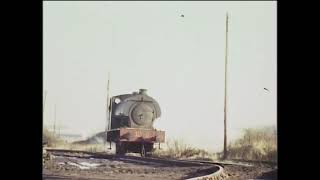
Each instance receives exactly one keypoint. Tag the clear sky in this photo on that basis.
(180, 60)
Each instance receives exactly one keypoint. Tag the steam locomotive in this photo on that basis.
(131, 125)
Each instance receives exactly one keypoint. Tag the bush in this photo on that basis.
(256, 144)
(50, 138)
(53, 141)
(179, 150)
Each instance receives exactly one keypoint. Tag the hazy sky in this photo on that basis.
(180, 60)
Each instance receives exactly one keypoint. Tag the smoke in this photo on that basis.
(99, 140)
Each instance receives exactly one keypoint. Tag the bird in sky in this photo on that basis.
(266, 89)
(182, 15)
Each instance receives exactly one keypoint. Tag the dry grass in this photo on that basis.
(256, 144)
(55, 142)
(50, 138)
(177, 149)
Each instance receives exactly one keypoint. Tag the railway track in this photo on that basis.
(206, 170)
(152, 159)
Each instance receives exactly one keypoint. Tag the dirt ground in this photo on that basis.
(261, 171)
(81, 168)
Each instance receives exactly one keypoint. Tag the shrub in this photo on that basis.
(179, 150)
(255, 144)
(50, 138)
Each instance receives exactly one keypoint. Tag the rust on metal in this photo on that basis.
(136, 135)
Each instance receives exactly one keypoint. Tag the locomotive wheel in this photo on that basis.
(120, 149)
(143, 151)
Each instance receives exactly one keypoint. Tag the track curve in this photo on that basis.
(206, 170)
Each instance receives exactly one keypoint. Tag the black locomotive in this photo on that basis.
(131, 125)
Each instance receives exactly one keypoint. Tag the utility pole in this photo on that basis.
(55, 118)
(108, 100)
(225, 94)
(43, 106)
(44, 102)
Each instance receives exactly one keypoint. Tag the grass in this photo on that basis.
(177, 149)
(258, 144)
(50, 138)
(53, 141)
(255, 144)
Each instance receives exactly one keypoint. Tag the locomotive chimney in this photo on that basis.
(143, 91)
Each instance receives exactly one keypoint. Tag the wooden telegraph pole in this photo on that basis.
(225, 94)
(44, 101)
(109, 109)
(55, 118)
(108, 100)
